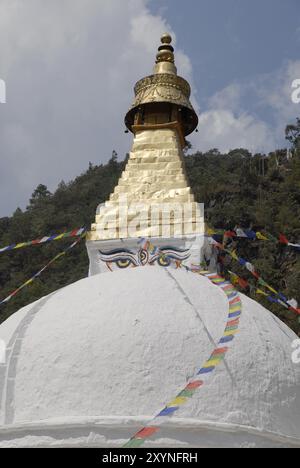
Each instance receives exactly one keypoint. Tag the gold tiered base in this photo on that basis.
(154, 175)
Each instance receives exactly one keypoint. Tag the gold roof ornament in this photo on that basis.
(164, 86)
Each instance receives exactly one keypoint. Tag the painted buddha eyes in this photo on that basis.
(125, 258)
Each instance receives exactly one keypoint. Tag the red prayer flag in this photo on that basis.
(243, 283)
(146, 432)
(233, 322)
(234, 301)
(283, 239)
(74, 233)
(220, 351)
(193, 385)
(230, 234)
(255, 274)
(294, 310)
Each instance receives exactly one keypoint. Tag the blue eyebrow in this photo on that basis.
(116, 251)
(175, 249)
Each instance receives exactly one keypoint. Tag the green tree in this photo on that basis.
(40, 194)
(292, 134)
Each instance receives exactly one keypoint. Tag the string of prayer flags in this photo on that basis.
(281, 299)
(262, 282)
(250, 267)
(44, 240)
(217, 234)
(277, 300)
(203, 374)
(36, 275)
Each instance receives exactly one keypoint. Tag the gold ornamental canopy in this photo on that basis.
(163, 90)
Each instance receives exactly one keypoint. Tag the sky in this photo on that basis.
(70, 66)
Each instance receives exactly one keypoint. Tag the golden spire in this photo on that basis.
(165, 56)
(160, 118)
(163, 87)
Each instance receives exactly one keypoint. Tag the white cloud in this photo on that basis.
(227, 98)
(226, 124)
(224, 130)
(69, 67)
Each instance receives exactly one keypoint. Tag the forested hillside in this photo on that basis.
(261, 192)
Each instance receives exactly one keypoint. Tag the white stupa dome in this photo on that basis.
(92, 363)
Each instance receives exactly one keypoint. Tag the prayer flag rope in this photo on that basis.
(44, 240)
(279, 298)
(251, 235)
(34, 277)
(204, 373)
(237, 233)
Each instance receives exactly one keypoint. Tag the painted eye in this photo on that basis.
(122, 258)
(166, 255)
(164, 261)
(123, 263)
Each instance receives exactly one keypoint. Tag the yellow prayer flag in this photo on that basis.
(271, 289)
(235, 307)
(177, 401)
(234, 255)
(234, 278)
(28, 282)
(212, 363)
(260, 291)
(231, 332)
(59, 237)
(218, 280)
(260, 236)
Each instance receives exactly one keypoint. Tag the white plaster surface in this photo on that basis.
(91, 363)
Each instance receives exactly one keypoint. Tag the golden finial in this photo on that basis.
(166, 38)
(165, 51)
